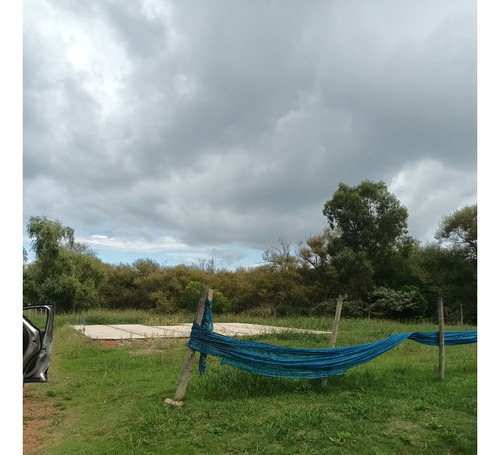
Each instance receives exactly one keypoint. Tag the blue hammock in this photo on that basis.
(283, 362)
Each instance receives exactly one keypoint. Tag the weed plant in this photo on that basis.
(110, 400)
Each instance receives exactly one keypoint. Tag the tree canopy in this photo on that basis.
(460, 228)
(372, 228)
(64, 273)
(369, 217)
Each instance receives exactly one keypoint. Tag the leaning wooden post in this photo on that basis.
(335, 330)
(206, 294)
(441, 337)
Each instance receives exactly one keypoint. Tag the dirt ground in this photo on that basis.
(38, 414)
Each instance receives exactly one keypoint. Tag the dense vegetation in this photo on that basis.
(366, 254)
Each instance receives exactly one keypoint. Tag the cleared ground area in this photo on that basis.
(138, 331)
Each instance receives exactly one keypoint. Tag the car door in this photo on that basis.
(37, 341)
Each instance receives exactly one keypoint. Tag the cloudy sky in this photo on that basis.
(194, 129)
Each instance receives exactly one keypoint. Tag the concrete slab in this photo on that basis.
(241, 329)
(138, 331)
(107, 332)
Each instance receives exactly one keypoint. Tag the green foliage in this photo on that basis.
(251, 289)
(369, 217)
(64, 273)
(47, 237)
(405, 304)
(372, 236)
(75, 286)
(119, 291)
(288, 293)
(460, 228)
(450, 273)
(354, 272)
(147, 285)
(190, 298)
(317, 268)
(221, 304)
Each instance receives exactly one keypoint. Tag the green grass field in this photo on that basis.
(110, 399)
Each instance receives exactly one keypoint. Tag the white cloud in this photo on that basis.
(430, 190)
(161, 244)
(232, 124)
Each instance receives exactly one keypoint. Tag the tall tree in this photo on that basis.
(47, 238)
(372, 226)
(369, 217)
(460, 228)
(64, 272)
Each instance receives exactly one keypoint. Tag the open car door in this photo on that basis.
(37, 342)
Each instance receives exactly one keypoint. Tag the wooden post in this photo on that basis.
(441, 337)
(207, 294)
(335, 331)
(461, 315)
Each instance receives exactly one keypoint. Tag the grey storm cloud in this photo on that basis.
(220, 122)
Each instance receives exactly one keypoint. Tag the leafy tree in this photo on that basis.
(372, 227)
(449, 273)
(31, 291)
(314, 252)
(369, 218)
(64, 272)
(47, 240)
(460, 228)
(450, 270)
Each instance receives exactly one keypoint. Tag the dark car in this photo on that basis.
(37, 342)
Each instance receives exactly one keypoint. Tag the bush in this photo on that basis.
(404, 304)
(190, 297)
(221, 303)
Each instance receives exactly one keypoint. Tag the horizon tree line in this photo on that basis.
(365, 253)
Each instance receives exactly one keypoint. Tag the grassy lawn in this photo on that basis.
(107, 398)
